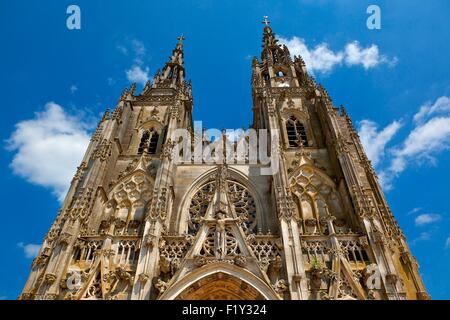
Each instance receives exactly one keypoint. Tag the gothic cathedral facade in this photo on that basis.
(135, 224)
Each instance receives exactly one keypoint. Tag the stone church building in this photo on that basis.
(137, 224)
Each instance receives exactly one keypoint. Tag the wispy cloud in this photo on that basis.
(429, 136)
(426, 218)
(30, 250)
(447, 243)
(440, 106)
(73, 89)
(423, 236)
(322, 59)
(122, 49)
(374, 140)
(414, 210)
(138, 72)
(111, 81)
(49, 147)
(422, 143)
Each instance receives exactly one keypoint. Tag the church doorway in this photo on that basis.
(220, 281)
(220, 286)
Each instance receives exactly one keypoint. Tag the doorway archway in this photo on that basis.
(220, 286)
(220, 281)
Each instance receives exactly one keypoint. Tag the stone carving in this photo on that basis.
(161, 286)
(103, 151)
(136, 222)
(281, 286)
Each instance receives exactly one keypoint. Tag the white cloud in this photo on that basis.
(137, 74)
(48, 148)
(375, 141)
(447, 243)
(385, 179)
(31, 250)
(442, 105)
(426, 218)
(369, 57)
(322, 59)
(429, 136)
(423, 143)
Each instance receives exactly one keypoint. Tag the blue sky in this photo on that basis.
(56, 82)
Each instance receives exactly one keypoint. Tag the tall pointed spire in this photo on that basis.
(276, 68)
(269, 39)
(173, 73)
(272, 51)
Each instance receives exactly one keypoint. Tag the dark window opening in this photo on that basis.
(77, 254)
(149, 142)
(296, 133)
(144, 141)
(153, 142)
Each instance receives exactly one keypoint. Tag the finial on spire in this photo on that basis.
(266, 20)
(180, 39)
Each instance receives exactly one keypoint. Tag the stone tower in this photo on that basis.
(137, 223)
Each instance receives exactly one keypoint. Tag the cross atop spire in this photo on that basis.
(181, 38)
(266, 20)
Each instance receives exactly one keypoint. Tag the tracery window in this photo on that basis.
(242, 201)
(296, 132)
(149, 141)
(127, 252)
(153, 142)
(86, 251)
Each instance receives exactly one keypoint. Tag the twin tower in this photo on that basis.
(136, 224)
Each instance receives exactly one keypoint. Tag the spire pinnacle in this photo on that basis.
(180, 42)
(268, 36)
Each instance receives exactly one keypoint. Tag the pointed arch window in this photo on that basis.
(149, 141)
(152, 146)
(296, 132)
(144, 140)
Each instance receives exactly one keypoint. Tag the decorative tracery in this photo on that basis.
(316, 198)
(149, 141)
(242, 201)
(296, 132)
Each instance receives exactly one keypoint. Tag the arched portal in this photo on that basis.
(220, 281)
(220, 286)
